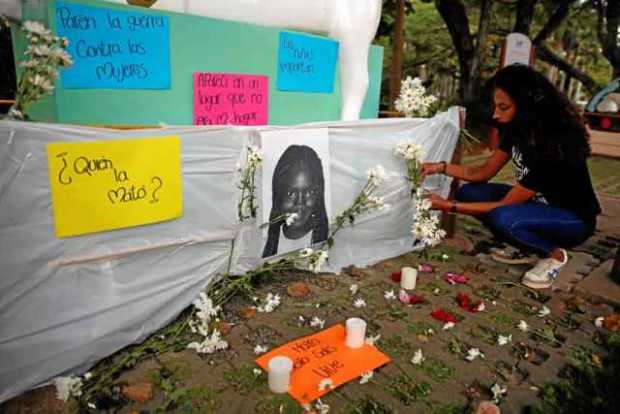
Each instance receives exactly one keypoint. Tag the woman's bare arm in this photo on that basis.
(477, 173)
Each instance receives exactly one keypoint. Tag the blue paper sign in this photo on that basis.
(114, 49)
(306, 63)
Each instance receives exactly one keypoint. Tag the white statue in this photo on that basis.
(351, 22)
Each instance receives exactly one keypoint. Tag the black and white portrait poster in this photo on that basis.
(296, 184)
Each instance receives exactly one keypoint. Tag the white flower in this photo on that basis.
(35, 27)
(444, 257)
(290, 218)
(377, 174)
(257, 372)
(413, 99)
(366, 377)
(371, 340)
(522, 326)
(473, 353)
(359, 303)
(426, 226)
(205, 307)
(544, 312)
(301, 320)
(67, 387)
(353, 288)
(448, 325)
(480, 307)
(389, 294)
(254, 155)
(374, 203)
(272, 302)
(91, 405)
(418, 358)
(316, 321)
(88, 376)
(498, 392)
(209, 344)
(307, 252)
(408, 150)
(325, 384)
(598, 322)
(317, 260)
(260, 349)
(15, 113)
(503, 340)
(321, 407)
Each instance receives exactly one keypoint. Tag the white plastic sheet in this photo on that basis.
(67, 303)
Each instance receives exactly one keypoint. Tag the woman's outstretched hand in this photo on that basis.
(439, 203)
(430, 168)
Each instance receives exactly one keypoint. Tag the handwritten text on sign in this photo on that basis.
(230, 99)
(306, 63)
(114, 49)
(104, 185)
(321, 356)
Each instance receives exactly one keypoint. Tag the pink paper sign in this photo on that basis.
(230, 99)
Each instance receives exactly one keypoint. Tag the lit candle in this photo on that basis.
(280, 368)
(356, 332)
(408, 277)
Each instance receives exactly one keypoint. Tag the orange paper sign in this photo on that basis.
(321, 356)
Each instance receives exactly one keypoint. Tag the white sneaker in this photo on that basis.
(544, 273)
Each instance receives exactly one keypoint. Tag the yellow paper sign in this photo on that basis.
(105, 185)
(322, 356)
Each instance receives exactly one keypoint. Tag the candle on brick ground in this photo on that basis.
(408, 278)
(356, 332)
(279, 368)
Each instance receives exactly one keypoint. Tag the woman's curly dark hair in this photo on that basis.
(547, 126)
(296, 158)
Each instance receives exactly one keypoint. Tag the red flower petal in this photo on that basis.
(426, 268)
(396, 277)
(408, 299)
(463, 300)
(465, 303)
(454, 278)
(415, 299)
(443, 316)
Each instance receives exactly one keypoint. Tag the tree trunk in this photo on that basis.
(609, 13)
(396, 70)
(477, 61)
(525, 15)
(454, 15)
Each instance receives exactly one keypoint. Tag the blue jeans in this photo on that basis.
(534, 226)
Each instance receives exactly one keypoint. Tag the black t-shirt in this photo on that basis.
(560, 184)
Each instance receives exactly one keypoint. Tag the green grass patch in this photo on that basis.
(408, 392)
(243, 379)
(395, 344)
(436, 370)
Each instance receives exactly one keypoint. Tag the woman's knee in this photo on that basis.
(500, 219)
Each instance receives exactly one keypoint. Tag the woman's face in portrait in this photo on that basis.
(301, 196)
(505, 107)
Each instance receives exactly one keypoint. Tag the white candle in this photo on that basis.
(356, 333)
(408, 277)
(279, 368)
